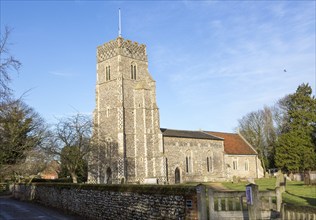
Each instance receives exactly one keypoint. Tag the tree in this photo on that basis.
(36, 161)
(296, 149)
(21, 128)
(22, 131)
(7, 64)
(257, 128)
(71, 142)
(73, 164)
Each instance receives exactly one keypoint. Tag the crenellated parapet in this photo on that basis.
(119, 46)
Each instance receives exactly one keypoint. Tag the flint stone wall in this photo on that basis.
(116, 201)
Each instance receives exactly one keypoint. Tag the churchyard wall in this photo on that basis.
(114, 201)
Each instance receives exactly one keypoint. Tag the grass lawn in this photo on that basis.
(296, 193)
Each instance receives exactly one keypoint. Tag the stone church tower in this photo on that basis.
(126, 117)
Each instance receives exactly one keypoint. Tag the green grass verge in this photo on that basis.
(296, 194)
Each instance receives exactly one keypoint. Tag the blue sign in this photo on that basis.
(249, 195)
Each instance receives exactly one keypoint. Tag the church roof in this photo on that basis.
(188, 134)
(234, 143)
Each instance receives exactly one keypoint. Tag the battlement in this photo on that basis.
(119, 46)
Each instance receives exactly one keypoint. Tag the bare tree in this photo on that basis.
(251, 128)
(259, 130)
(36, 161)
(7, 64)
(71, 142)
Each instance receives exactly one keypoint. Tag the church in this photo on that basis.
(131, 147)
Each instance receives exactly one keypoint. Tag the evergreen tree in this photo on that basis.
(295, 149)
(22, 130)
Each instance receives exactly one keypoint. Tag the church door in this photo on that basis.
(109, 176)
(177, 175)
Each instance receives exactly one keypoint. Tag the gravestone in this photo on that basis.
(280, 181)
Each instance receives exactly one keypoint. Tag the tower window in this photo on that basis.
(107, 112)
(132, 75)
(133, 71)
(108, 73)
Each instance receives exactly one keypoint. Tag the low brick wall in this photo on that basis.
(115, 201)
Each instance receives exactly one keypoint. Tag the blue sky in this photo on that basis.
(213, 61)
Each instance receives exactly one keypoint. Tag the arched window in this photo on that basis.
(108, 179)
(235, 164)
(209, 164)
(133, 71)
(209, 161)
(247, 165)
(177, 176)
(188, 164)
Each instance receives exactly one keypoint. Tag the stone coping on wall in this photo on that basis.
(139, 188)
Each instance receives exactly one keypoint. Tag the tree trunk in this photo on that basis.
(74, 177)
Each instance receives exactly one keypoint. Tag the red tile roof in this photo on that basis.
(234, 143)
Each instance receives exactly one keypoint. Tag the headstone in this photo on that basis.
(251, 180)
(280, 181)
(235, 179)
(150, 181)
(291, 176)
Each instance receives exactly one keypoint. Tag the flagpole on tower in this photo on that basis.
(120, 27)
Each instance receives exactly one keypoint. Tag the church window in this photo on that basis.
(235, 164)
(190, 165)
(187, 164)
(209, 164)
(167, 168)
(133, 71)
(247, 165)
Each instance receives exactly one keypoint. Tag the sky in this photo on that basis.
(213, 61)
